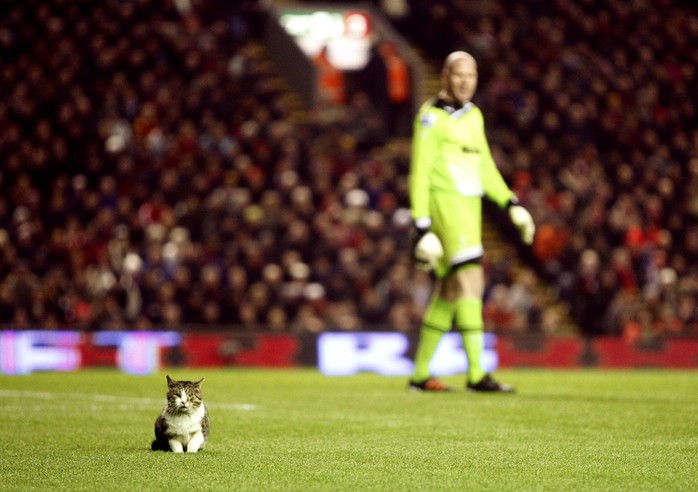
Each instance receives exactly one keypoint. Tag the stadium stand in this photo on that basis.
(155, 175)
(591, 110)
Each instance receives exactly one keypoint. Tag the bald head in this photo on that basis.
(458, 56)
(459, 77)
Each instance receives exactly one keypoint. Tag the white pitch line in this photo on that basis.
(45, 395)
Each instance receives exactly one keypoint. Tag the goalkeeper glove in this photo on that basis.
(523, 221)
(426, 246)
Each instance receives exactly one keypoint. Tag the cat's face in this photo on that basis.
(183, 396)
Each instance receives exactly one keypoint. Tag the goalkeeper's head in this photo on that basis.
(459, 77)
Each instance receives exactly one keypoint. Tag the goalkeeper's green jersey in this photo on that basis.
(450, 154)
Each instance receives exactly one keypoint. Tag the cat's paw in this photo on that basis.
(176, 446)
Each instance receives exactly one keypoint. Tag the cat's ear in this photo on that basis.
(170, 381)
(198, 383)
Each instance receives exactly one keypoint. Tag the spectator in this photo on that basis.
(121, 116)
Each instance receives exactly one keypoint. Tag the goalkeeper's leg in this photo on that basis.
(469, 322)
(471, 327)
(478, 379)
(437, 321)
(466, 286)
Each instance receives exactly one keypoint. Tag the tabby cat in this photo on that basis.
(183, 424)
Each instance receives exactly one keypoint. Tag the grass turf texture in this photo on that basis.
(298, 430)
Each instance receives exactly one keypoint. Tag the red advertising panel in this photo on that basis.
(346, 353)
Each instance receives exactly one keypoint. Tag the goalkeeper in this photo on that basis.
(451, 170)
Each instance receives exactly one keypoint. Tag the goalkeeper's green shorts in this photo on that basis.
(457, 221)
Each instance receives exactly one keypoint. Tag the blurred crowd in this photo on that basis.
(156, 173)
(592, 110)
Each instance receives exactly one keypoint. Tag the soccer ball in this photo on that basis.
(428, 251)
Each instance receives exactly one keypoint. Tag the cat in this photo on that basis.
(183, 425)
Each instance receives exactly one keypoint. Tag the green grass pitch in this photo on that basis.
(296, 430)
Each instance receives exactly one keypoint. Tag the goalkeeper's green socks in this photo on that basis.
(438, 319)
(471, 326)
